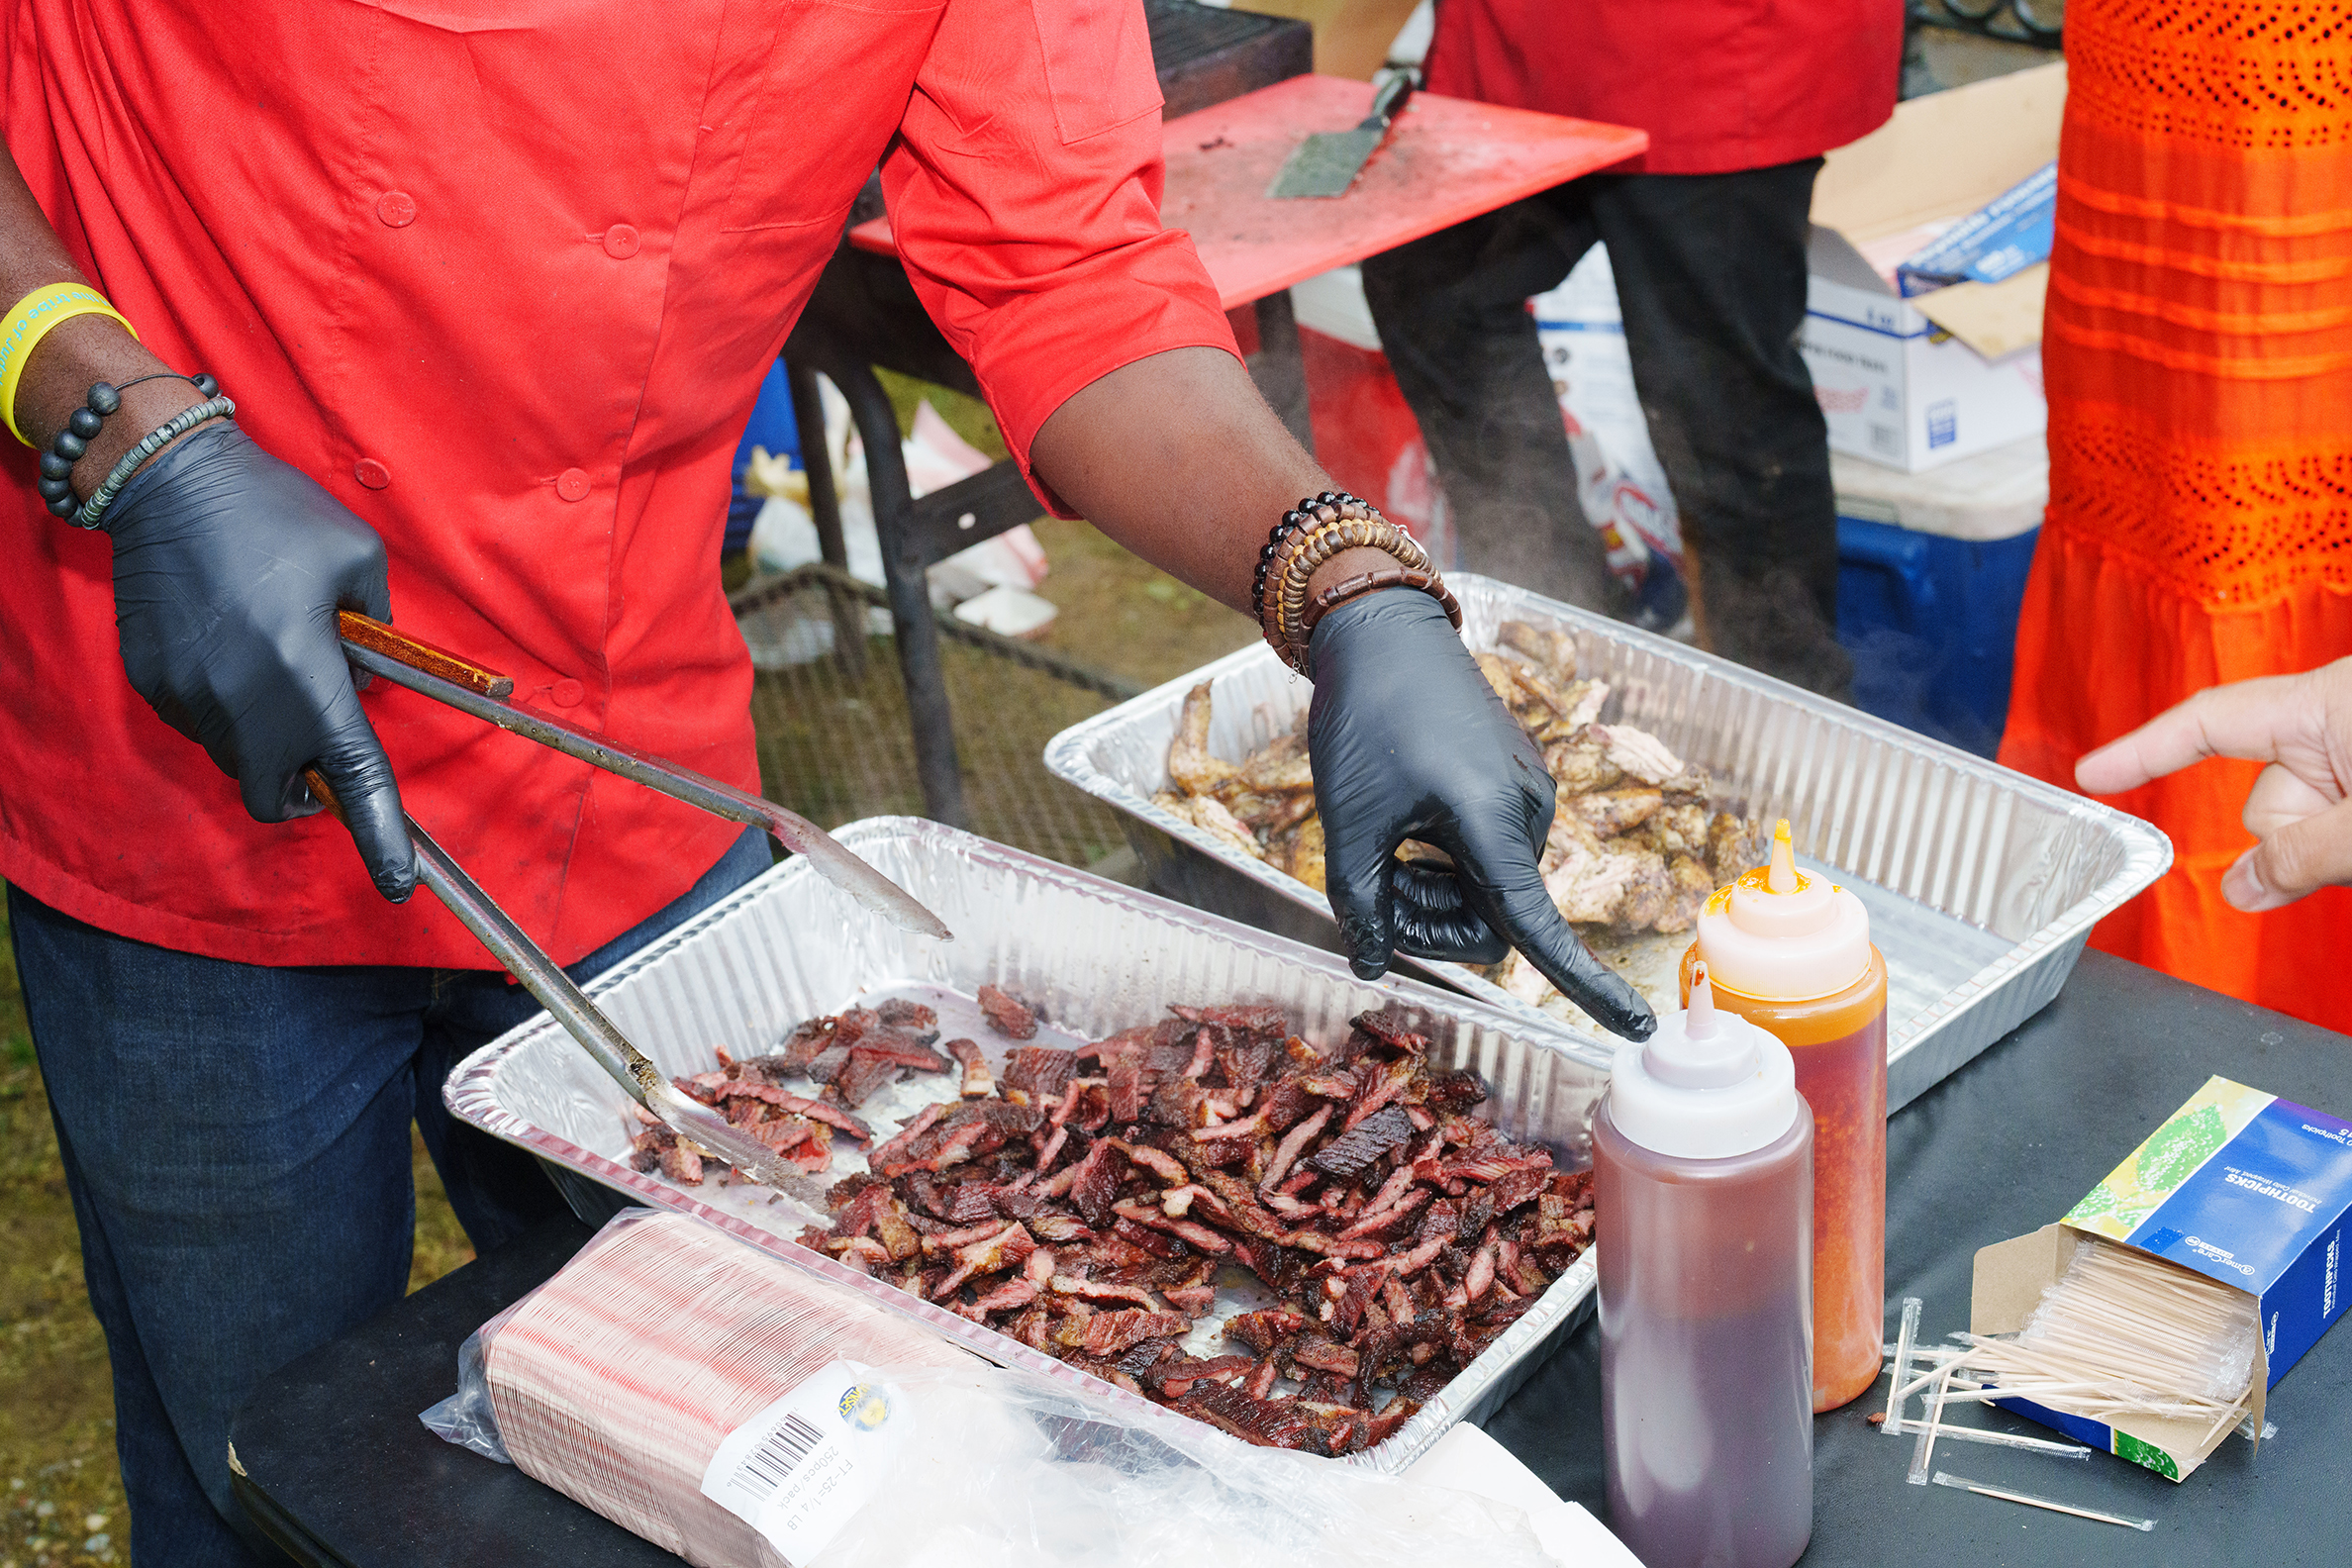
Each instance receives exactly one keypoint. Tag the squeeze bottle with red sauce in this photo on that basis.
(1791, 951)
(1702, 1198)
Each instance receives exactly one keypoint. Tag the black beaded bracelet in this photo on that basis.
(1283, 530)
(104, 399)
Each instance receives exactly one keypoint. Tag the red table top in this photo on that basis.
(1445, 159)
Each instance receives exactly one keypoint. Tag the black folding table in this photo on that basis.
(336, 1465)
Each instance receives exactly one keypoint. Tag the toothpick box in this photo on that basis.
(2240, 1186)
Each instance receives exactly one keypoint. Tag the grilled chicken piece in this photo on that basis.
(1692, 884)
(1189, 763)
(1730, 847)
(1548, 649)
(1590, 882)
(1580, 765)
(1649, 893)
(1585, 701)
(1280, 768)
(1498, 675)
(1209, 813)
(1266, 815)
(1303, 854)
(1543, 701)
(1523, 980)
(1611, 812)
(1679, 830)
(1642, 754)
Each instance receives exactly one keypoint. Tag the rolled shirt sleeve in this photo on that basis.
(1023, 191)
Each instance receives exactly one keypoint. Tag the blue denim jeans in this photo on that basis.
(235, 1141)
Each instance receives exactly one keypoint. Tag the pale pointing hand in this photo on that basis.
(2302, 726)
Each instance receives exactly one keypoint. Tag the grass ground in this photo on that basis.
(62, 1506)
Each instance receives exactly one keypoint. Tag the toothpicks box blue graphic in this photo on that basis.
(2248, 1189)
(2238, 1185)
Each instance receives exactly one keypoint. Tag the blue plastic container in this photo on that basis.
(1932, 624)
(771, 427)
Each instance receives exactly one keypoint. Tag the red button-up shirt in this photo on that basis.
(504, 275)
(1718, 85)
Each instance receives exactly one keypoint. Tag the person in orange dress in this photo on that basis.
(2198, 356)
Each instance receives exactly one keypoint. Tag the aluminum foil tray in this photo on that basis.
(1095, 956)
(1982, 884)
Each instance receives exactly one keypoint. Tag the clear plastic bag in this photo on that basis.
(1007, 1470)
(619, 1381)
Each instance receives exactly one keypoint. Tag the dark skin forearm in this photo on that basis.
(1179, 458)
(76, 353)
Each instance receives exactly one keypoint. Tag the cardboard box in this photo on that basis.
(1351, 36)
(1919, 382)
(2240, 1186)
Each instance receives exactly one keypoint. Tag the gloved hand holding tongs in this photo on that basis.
(274, 702)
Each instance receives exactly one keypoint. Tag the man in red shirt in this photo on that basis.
(1707, 239)
(493, 287)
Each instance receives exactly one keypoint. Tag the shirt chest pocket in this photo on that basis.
(824, 84)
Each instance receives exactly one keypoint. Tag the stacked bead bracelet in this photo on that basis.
(104, 399)
(1310, 535)
(153, 443)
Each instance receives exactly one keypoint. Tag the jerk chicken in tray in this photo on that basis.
(1635, 847)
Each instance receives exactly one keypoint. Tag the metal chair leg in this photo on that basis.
(825, 507)
(917, 637)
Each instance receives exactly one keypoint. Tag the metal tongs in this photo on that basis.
(438, 675)
(442, 676)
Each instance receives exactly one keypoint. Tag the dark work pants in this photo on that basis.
(1711, 277)
(235, 1141)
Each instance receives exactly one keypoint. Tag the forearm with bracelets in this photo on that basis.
(76, 353)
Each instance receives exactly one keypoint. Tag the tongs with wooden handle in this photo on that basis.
(445, 677)
(569, 1005)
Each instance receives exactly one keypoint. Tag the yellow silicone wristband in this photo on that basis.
(34, 318)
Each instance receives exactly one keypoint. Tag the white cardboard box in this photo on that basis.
(1917, 383)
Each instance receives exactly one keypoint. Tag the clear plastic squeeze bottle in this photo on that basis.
(1703, 1197)
(1791, 951)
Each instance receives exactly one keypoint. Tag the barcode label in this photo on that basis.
(799, 1470)
(774, 1460)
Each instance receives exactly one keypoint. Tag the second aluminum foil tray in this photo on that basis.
(1982, 884)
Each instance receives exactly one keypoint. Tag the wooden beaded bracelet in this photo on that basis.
(1363, 583)
(1348, 525)
(1310, 535)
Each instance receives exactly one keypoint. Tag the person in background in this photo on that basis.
(2198, 358)
(1706, 237)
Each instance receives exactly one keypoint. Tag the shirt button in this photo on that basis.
(398, 209)
(371, 473)
(572, 484)
(620, 241)
(567, 693)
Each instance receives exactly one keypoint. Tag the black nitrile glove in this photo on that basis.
(1410, 741)
(228, 568)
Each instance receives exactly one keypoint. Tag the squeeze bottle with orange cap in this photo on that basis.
(1703, 1187)
(1791, 951)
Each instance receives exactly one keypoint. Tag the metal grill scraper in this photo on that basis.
(1328, 162)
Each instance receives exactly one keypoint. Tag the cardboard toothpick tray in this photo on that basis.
(2238, 1185)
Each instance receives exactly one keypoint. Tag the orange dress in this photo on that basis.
(2197, 353)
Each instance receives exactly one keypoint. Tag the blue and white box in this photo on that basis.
(2238, 1185)
(1914, 383)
